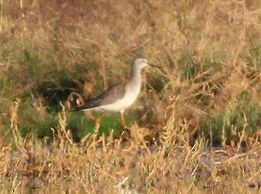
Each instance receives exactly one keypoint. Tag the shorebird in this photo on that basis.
(119, 97)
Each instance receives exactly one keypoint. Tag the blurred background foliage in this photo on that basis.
(209, 52)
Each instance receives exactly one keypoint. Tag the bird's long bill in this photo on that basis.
(156, 66)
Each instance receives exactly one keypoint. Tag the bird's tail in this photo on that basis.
(87, 106)
(75, 108)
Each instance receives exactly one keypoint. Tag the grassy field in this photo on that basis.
(207, 94)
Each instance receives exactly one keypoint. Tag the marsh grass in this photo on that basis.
(206, 93)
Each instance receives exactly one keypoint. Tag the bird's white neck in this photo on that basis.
(136, 76)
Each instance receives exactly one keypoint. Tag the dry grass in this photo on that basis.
(106, 165)
(208, 93)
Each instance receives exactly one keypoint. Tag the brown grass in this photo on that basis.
(208, 93)
(106, 165)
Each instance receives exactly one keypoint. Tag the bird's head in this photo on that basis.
(140, 63)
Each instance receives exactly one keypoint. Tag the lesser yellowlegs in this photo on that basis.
(119, 97)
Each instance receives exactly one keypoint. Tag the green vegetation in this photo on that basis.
(207, 93)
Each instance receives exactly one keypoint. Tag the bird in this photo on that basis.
(118, 97)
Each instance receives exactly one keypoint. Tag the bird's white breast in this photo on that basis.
(128, 99)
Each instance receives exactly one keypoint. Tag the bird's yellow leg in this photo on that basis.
(123, 123)
(126, 134)
(97, 125)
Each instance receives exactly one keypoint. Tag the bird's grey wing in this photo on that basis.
(111, 95)
(107, 97)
